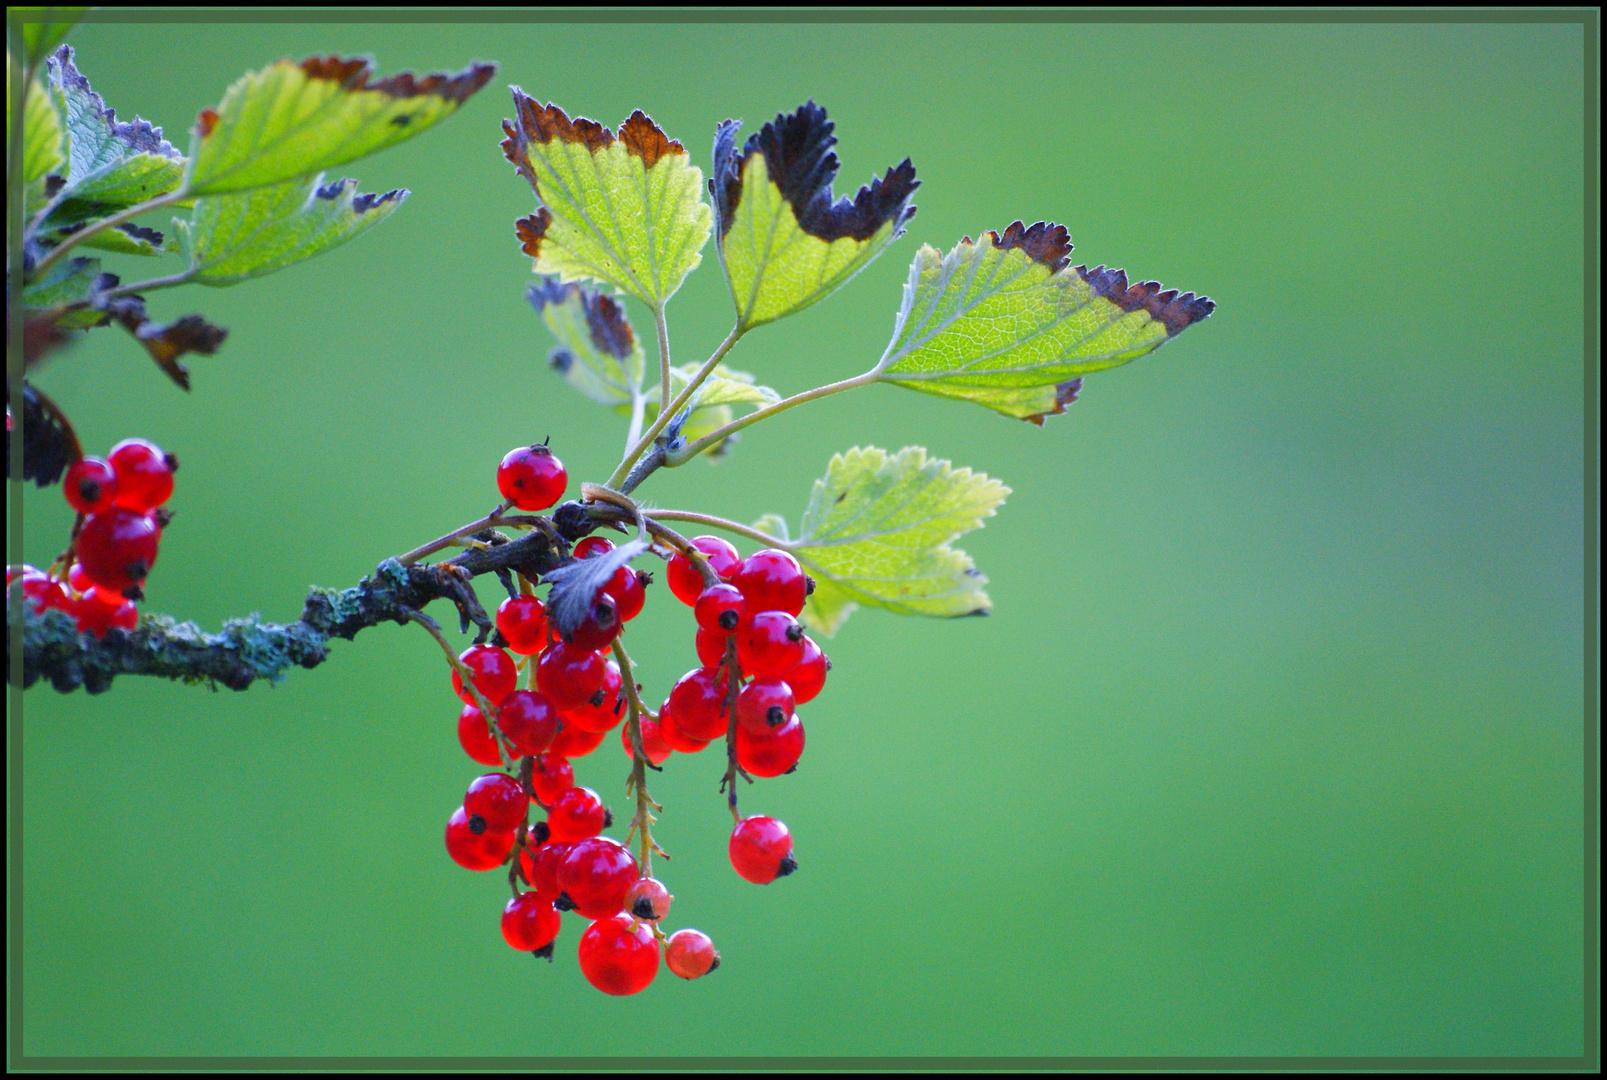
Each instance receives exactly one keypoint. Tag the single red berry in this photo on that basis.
(772, 580)
(685, 582)
(672, 735)
(772, 753)
(592, 545)
(653, 744)
(605, 709)
(144, 474)
(529, 721)
(550, 776)
(698, 701)
(769, 645)
(761, 850)
(809, 676)
(498, 798)
(474, 735)
(648, 899)
(90, 485)
(571, 742)
(41, 593)
(97, 613)
(711, 647)
(596, 875)
(690, 954)
(473, 844)
(719, 609)
(491, 669)
(600, 626)
(540, 868)
(764, 705)
(523, 621)
(118, 548)
(619, 955)
(530, 923)
(569, 674)
(576, 814)
(630, 589)
(532, 478)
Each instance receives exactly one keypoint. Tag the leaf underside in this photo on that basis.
(597, 353)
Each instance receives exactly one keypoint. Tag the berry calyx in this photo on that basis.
(772, 580)
(619, 955)
(698, 704)
(530, 923)
(531, 478)
(523, 622)
(770, 645)
(596, 875)
(690, 954)
(474, 846)
(569, 674)
(648, 900)
(685, 582)
(498, 798)
(491, 670)
(474, 735)
(653, 744)
(529, 722)
(761, 850)
(576, 814)
(90, 485)
(772, 753)
(117, 548)
(605, 709)
(719, 609)
(809, 676)
(764, 705)
(550, 776)
(144, 474)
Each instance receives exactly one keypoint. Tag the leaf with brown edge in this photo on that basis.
(291, 120)
(49, 443)
(627, 211)
(166, 342)
(1004, 322)
(598, 353)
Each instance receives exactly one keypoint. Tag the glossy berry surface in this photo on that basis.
(617, 959)
(719, 609)
(39, 593)
(769, 645)
(630, 589)
(474, 846)
(117, 548)
(710, 648)
(530, 923)
(528, 721)
(773, 752)
(96, 614)
(572, 742)
(523, 621)
(532, 478)
(601, 625)
(698, 703)
(653, 745)
(144, 474)
(605, 709)
(550, 776)
(491, 670)
(474, 735)
(674, 738)
(809, 676)
(90, 485)
(761, 850)
(568, 674)
(690, 954)
(764, 705)
(541, 868)
(498, 798)
(576, 814)
(685, 582)
(648, 899)
(772, 580)
(588, 546)
(596, 875)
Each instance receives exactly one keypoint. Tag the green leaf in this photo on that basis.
(783, 242)
(68, 282)
(123, 239)
(44, 142)
(711, 406)
(627, 211)
(292, 120)
(1004, 323)
(598, 352)
(43, 27)
(230, 238)
(877, 530)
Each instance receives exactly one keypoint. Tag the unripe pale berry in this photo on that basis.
(648, 899)
(690, 954)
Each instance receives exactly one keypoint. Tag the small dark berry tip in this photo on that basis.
(728, 620)
(139, 570)
(134, 592)
(795, 632)
(563, 903)
(643, 908)
(792, 770)
(644, 577)
(596, 700)
(171, 461)
(776, 716)
(712, 966)
(164, 517)
(545, 953)
(89, 490)
(477, 824)
(498, 639)
(809, 585)
(608, 818)
(788, 865)
(541, 832)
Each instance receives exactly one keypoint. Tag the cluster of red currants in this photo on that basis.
(119, 499)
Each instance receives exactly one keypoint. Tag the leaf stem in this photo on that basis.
(638, 414)
(691, 450)
(663, 359)
(717, 523)
(665, 414)
(59, 252)
(442, 542)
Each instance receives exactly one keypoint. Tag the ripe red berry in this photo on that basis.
(690, 954)
(698, 702)
(98, 613)
(710, 648)
(619, 955)
(117, 548)
(764, 705)
(770, 645)
(672, 735)
(474, 735)
(600, 626)
(498, 798)
(604, 710)
(523, 621)
(144, 474)
(550, 776)
(653, 744)
(719, 608)
(592, 545)
(596, 875)
(474, 845)
(530, 923)
(772, 580)
(576, 814)
(41, 592)
(529, 722)
(630, 589)
(773, 752)
(532, 478)
(541, 868)
(572, 742)
(648, 899)
(809, 676)
(568, 674)
(492, 671)
(685, 582)
(761, 850)
(90, 485)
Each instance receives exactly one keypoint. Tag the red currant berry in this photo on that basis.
(671, 733)
(592, 545)
(531, 478)
(90, 486)
(648, 899)
(571, 742)
(550, 776)
(617, 959)
(523, 621)
(529, 721)
(596, 875)
(719, 608)
(41, 593)
(118, 548)
(604, 710)
(772, 580)
(568, 675)
(474, 735)
(576, 814)
(600, 626)
(530, 923)
(770, 645)
(761, 850)
(474, 845)
(711, 648)
(685, 582)
(772, 753)
(698, 702)
(764, 705)
(98, 614)
(492, 671)
(630, 589)
(690, 954)
(541, 868)
(498, 798)
(144, 474)
(653, 744)
(809, 676)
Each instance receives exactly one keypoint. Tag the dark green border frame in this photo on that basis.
(1588, 1062)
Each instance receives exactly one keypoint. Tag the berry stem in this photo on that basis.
(442, 542)
(717, 523)
(467, 678)
(666, 413)
(733, 686)
(691, 450)
(641, 824)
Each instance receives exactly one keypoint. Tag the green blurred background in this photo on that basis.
(1273, 744)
